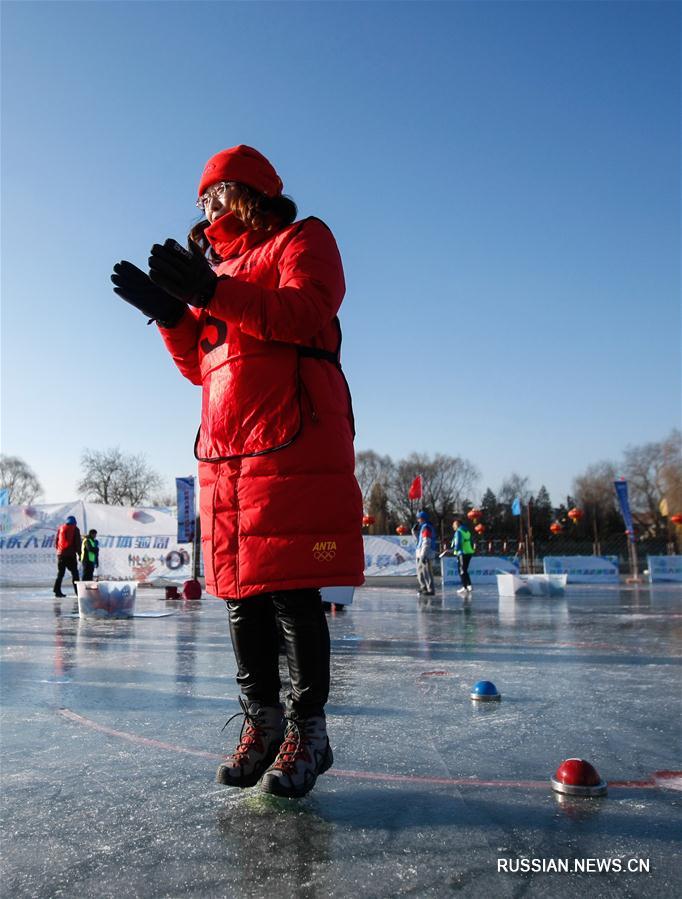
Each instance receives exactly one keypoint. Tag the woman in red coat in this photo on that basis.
(249, 313)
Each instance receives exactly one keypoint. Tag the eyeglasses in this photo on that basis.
(215, 190)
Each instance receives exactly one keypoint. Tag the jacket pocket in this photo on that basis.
(250, 405)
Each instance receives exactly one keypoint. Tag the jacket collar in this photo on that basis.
(230, 237)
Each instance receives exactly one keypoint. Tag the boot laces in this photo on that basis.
(251, 734)
(292, 749)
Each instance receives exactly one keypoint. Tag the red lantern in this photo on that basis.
(367, 520)
(474, 514)
(555, 527)
(402, 530)
(676, 519)
(480, 529)
(575, 515)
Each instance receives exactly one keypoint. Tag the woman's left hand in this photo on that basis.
(185, 274)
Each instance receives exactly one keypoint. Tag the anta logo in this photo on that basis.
(324, 550)
(324, 545)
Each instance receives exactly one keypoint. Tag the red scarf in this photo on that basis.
(230, 237)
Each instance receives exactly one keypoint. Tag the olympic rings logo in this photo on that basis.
(324, 555)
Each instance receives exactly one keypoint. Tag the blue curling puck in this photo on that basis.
(485, 691)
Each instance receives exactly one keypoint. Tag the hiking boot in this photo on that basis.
(303, 756)
(260, 737)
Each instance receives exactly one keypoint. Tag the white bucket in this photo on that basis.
(106, 599)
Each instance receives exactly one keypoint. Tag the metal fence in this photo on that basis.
(616, 546)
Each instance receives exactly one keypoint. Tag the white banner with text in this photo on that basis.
(583, 569)
(390, 555)
(135, 543)
(664, 569)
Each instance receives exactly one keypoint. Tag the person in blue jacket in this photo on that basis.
(426, 544)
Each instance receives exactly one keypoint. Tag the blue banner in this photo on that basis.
(4, 496)
(516, 506)
(621, 486)
(186, 513)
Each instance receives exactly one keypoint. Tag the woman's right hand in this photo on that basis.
(185, 274)
(137, 288)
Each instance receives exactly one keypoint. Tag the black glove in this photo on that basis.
(185, 274)
(136, 288)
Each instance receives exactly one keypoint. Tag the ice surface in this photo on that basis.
(111, 735)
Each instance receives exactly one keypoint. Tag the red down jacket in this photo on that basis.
(68, 540)
(280, 506)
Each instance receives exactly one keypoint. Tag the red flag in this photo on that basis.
(415, 491)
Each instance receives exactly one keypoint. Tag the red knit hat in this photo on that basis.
(242, 164)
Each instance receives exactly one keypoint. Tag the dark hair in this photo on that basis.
(258, 212)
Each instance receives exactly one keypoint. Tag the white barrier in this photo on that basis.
(583, 569)
(664, 569)
(390, 555)
(482, 569)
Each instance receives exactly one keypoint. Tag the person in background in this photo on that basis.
(249, 312)
(463, 547)
(426, 541)
(90, 555)
(68, 550)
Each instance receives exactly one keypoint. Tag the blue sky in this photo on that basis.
(503, 180)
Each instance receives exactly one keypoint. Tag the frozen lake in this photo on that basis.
(111, 736)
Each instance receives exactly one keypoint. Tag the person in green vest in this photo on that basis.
(90, 555)
(463, 547)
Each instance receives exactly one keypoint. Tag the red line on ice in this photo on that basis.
(670, 779)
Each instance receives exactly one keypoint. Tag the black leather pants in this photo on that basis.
(464, 569)
(64, 562)
(255, 627)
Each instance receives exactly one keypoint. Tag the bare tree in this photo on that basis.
(654, 473)
(20, 481)
(371, 469)
(515, 485)
(377, 507)
(165, 498)
(446, 480)
(595, 494)
(671, 472)
(116, 479)
(595, 487)
(507, 523)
